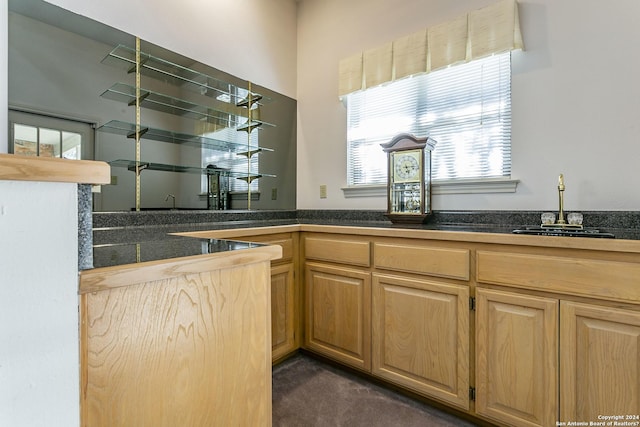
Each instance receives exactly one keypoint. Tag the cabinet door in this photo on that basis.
(421, 336)
(338, 313)
(599, 362)
(517, 358)
(282, 311)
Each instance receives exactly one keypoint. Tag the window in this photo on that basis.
(41, 135)
(466, 108)
(43, 142)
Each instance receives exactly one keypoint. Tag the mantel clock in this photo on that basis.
(409, 178)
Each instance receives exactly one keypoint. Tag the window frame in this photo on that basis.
(487, 184)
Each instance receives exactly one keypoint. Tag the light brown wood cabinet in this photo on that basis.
(283, 310)
(517, 358)
(410, 330)
(599, 362)
(421, 317)
(421, 336)
(519, 340)
(555, 335)
(520, 336)
(285, 294)
(337, 294)
(338, 313)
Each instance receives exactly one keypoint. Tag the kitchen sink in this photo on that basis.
(575, 232)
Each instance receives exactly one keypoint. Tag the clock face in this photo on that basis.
(406, 166)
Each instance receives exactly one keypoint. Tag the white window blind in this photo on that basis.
(466, 108)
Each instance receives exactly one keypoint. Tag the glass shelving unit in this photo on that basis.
(217, 102)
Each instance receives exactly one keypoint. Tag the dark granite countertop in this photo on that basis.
(116, 235)
(148, 233)
(620, 224)
(167, 247)
(120, 227)
(497, 221)
(618, 233)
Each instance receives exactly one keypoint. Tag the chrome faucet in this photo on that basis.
(173, 197)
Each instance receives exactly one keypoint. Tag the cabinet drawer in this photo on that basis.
(284, 240)
(611, 280)
(351, 252)
(441, 262)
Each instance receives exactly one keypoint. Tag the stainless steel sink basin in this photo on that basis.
(581, 232)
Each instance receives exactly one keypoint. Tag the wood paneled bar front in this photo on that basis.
(182, 341)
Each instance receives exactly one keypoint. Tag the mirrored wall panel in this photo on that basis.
(177, 133)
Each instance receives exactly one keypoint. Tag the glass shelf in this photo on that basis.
(251, 178)
(251, 153)
(167, 104)
(250, 126)
(176, 74)
(128, 129)
(131, 165)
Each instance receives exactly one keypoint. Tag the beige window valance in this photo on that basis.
(483, 32)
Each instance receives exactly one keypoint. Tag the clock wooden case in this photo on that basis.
(409, 178)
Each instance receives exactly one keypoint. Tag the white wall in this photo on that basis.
(4, 47)
(39, 353)
(575, 99)
(251, 39)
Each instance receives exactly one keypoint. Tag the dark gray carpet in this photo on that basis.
(310, 393)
